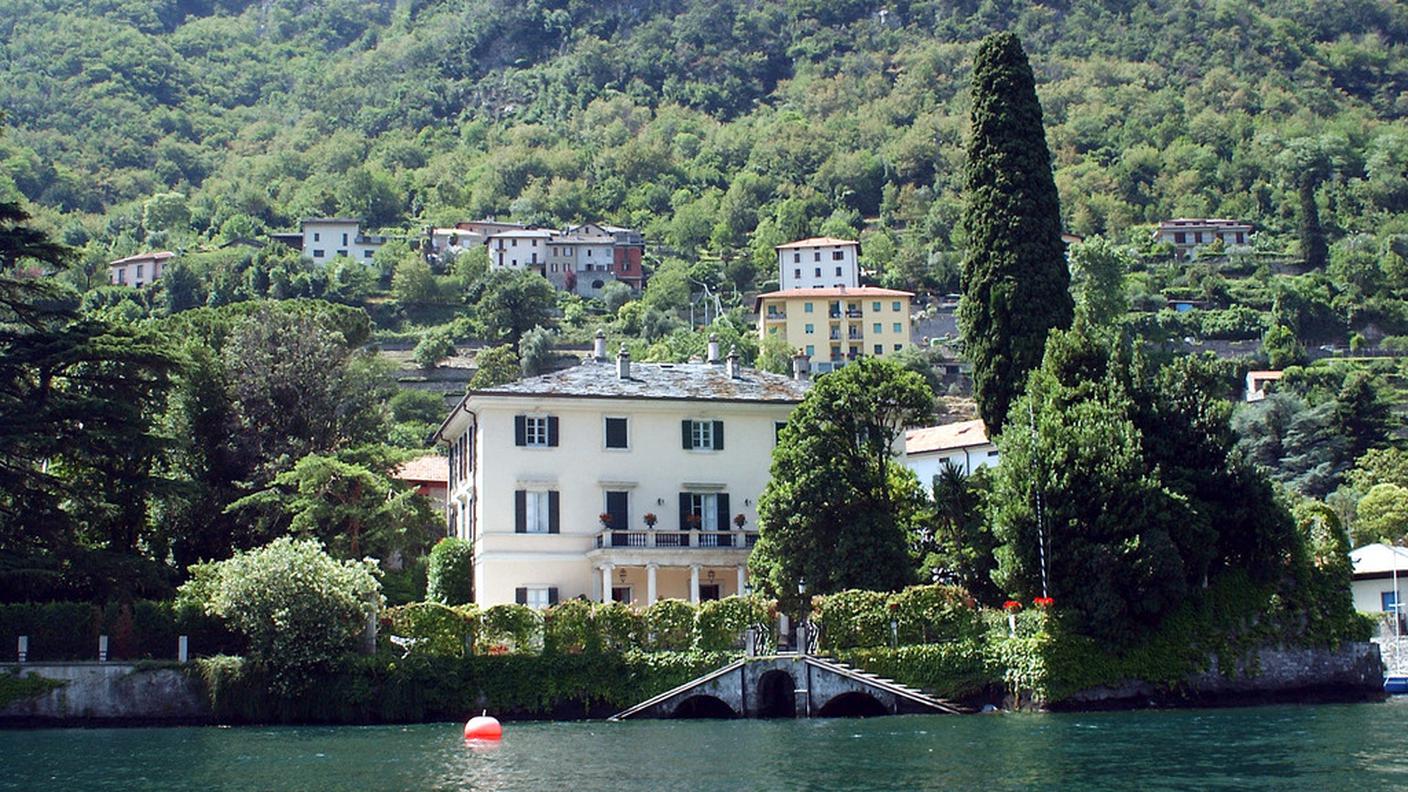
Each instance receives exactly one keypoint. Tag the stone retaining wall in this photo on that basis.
(1354, 672)
(103, 693)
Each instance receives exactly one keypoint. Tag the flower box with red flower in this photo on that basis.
(1043, 602)
(1011, 605)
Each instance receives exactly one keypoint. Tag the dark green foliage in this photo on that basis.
(514, 302)
(449, 577)
(139, 630)
(838, 511)
(1015, 280)
(958, 549)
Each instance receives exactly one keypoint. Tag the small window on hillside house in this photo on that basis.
(616, 433)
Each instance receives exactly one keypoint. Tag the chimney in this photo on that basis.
(731, 367)
(801, 366)
(713, 349)
(623, 363)
(599, 346)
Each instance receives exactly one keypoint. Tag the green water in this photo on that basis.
(1359, 747)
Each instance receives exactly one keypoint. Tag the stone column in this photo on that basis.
(606, 571)
(742, 578)
(694, 583)
(650, 570)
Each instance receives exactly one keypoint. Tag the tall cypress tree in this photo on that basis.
(1016, 286)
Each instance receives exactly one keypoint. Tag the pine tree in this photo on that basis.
(1015, 280)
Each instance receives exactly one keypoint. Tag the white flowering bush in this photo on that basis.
(300, 608)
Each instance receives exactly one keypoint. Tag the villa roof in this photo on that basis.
(523, 232)
(329, 220)
(1378, 559)
(1266, 375)
(948, 437)
(1203, 221)
(676, 381)
(160, 255)
(430, 468)
(818, 242)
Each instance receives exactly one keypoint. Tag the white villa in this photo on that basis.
(1189, 234)
(324, 238)
(615, 480)
(817, 263)
(138, 270)
(520, 248)
(1372, 583)
(965, 444)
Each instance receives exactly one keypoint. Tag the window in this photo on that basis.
(1179, 237)
(816, 255)
(537, 597)
(703, 435)
(772, 330)
(796, 257)
(617, 507)
(1241, 239)
(1389, 601)
(535, 431)
(122, 275)
(837, 255)
(366, 254)
(875, 306)
(704, 511)
(806, 307)
(621, 594)
(818, 272)
(796, 273)
(139, 271)
(811, 329)
(838, 270)
(898, 328)
(596, 284)
(777, 427)
(616, 435)
(708, 591)
(317, 254)
(317, 237)
(344, 239)
(879, 349)
(513, 242)
(876, 327)
(342, 252)
(811, 350)
(536, 511)
(898, 347)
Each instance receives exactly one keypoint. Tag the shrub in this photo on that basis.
(935, 613)
(570, 627)
(437, 630)
(719, 624)
(448, 578)
(506, 629)
(619, 626)
(300, 608)
(853, 618)
(670, 625)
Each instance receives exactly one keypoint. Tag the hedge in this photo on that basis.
(385, 690)
(141, 630)
(920, 614)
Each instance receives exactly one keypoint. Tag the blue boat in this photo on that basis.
(1396, 684)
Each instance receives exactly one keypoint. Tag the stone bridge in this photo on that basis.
(787, 686)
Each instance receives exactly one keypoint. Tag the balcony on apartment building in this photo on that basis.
(776, 315)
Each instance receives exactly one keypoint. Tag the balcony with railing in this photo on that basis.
(676, 540)
(775, 315)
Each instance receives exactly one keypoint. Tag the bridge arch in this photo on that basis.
(852, 704)
(703, 706)
(777, 695)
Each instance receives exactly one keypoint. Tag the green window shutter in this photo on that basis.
(685, 434)
(684, 511)
(520, 430)
(520, 595)
(552, 430)
(724, 516)
(552, 595)
(718, 435)
(554, 524)
(520, 511)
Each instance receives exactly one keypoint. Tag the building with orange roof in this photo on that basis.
(429, 475)
(835, 325)
(964, 444)
(819, 262)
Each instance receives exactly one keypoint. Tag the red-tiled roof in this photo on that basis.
(431, 468)
(964, 434)
(157, 256)
(838, 291)
(818, 242)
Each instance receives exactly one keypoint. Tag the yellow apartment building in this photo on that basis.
(835, 325)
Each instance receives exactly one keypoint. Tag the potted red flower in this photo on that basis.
(1011, 606)
(650, 519)
(1043, 602)
(605, 518)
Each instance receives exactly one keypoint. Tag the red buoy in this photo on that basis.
(483, 727)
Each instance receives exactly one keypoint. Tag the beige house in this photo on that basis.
(614, 480)
(138, 270)
(964, 444)
(1188, 235)
(819, 262)
(835, 325)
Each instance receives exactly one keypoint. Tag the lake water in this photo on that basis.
(1331, 747)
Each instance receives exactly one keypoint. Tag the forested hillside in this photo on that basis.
(713, 126)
